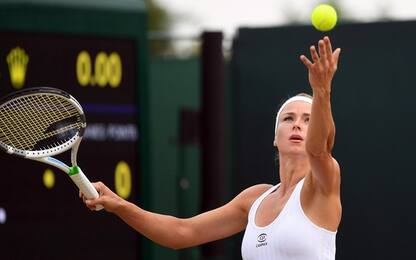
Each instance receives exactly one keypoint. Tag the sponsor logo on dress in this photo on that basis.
(262, 240)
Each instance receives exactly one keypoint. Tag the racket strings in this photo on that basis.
(28, 122)
(59, 110)
(21, 118)
(49, 120)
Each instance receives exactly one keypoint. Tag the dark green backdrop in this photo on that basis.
(173, 86)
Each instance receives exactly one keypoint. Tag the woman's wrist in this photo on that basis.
(120, 206)
(321, 92)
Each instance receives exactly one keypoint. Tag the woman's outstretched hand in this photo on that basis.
(323, 66)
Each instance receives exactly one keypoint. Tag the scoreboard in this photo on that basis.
(41, 216)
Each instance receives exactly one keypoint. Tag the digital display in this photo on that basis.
(41, 216)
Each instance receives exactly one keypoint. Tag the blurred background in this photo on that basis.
(180, 98)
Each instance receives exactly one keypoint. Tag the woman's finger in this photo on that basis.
(328, 47)
(306, 61)
(322, 50)
(314, 54)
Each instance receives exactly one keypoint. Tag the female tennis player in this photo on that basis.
(296, 219)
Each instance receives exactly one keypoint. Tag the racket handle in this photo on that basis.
(84, 185)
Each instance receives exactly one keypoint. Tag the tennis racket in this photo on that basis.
(38, 123)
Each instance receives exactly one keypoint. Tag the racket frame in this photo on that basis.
(45, 156)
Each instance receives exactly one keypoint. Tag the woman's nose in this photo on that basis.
(297, 124)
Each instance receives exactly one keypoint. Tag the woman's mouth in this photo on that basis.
(296, 138)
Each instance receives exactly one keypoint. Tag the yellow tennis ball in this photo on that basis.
(324, 17)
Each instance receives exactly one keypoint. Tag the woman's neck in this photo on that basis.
(291, 171)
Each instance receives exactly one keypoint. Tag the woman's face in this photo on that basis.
(292, 128)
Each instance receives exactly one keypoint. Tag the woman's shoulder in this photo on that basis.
(247, 197)
(256, 190)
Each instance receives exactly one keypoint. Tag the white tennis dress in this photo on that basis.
(291, 235)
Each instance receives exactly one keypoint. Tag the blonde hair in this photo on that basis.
(303, 94)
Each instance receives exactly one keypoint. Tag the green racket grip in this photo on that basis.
(84, 185)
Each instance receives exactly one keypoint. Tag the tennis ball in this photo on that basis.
(324, 17)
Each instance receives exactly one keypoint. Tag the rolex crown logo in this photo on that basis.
(17, 60)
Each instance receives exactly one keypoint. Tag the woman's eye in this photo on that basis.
(307, 120)
(289, 118)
